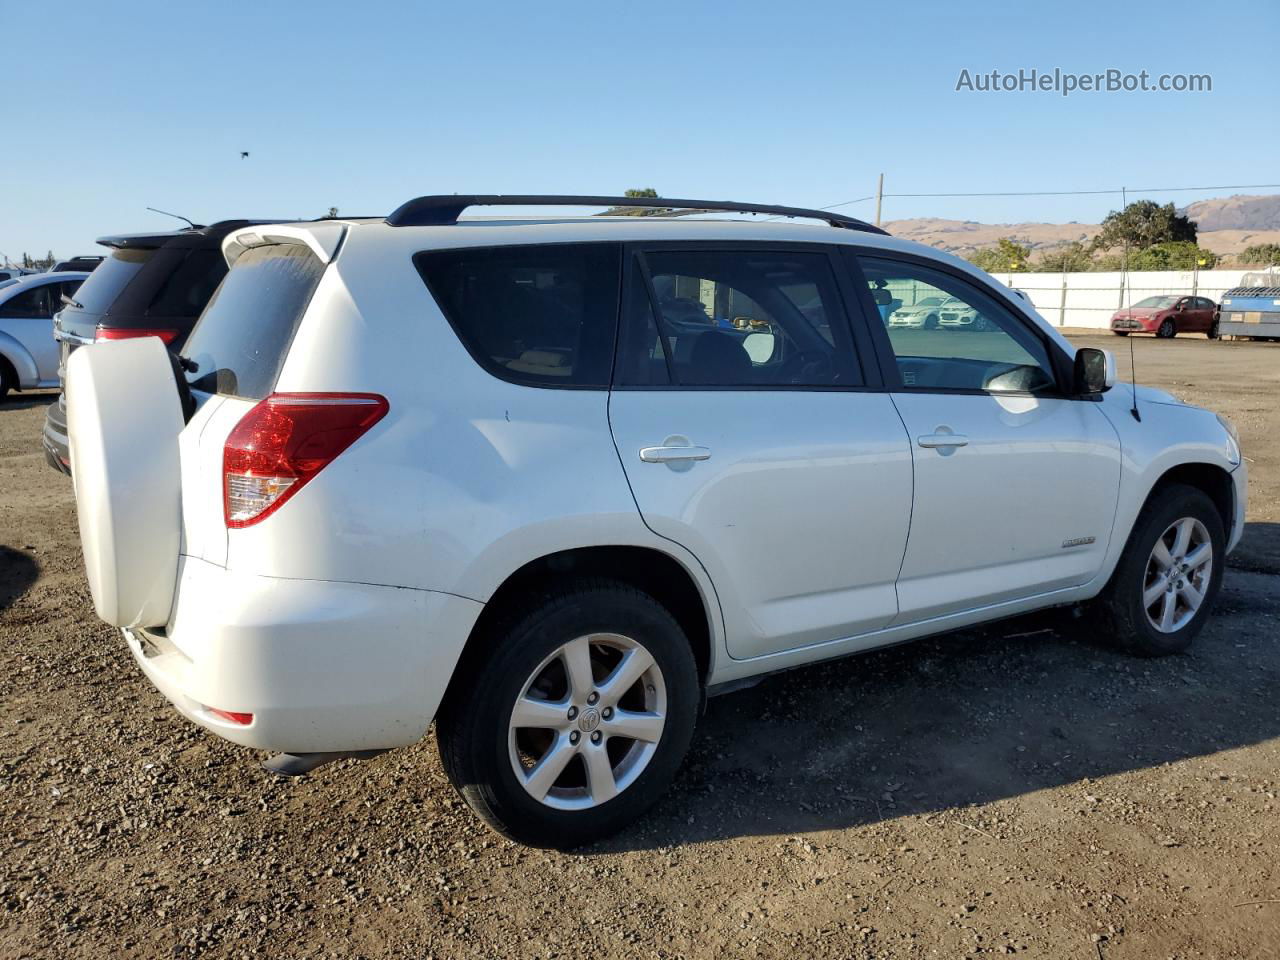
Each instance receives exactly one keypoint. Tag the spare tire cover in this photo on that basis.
(123, 419)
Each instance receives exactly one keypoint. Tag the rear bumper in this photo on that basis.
(54, 439)
(322, 666)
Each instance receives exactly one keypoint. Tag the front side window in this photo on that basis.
(948, 334)
(36, 302)
(738, 319)
(541, 315)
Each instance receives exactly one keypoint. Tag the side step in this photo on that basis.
(300, 764)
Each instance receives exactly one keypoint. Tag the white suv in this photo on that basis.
(550, 482)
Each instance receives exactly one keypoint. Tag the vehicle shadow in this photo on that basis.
(972, 717)
(25, 401)
(18, 571)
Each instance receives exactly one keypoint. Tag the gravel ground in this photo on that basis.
(1006, 791)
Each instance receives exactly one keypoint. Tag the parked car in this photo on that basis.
(13, 273)
(151, 285)
(465, 470)
(87, 264)
(28, 352)
(923, 314)
(1167, 317)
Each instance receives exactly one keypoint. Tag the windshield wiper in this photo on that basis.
(68, 302)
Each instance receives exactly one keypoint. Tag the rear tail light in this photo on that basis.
(285, 441)
(124, 333)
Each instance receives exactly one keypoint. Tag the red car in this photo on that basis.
(1167, 317)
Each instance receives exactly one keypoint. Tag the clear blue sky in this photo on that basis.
(114, 107)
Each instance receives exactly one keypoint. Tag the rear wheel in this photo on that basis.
(1168, 576)
(1214, 331)
(1167, 329)
(575, 719)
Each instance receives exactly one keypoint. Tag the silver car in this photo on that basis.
(28, 352)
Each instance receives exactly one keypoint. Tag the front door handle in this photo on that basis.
(673, 454)
(946, 440)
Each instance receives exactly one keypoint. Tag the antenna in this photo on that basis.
(175, 216)
(1128, 305)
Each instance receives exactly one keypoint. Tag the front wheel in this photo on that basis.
(1167, 330)
(1168, 576)
(574, 718)
(1121, 333)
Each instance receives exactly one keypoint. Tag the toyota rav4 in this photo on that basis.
(548, 482)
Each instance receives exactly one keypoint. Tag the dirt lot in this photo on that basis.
(1000, 791)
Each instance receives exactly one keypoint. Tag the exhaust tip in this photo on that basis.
(300, 764)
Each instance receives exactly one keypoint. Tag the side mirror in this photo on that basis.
(1095, 371)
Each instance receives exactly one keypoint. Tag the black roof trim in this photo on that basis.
(441, 210)
(152, 241)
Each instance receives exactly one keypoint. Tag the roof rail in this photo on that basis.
(443, 209)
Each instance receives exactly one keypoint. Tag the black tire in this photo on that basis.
(1215, 331)
(8, 378)
(1168, 329)
(931, 322)
(1121, 333)
(473, 726)
(1119, 613)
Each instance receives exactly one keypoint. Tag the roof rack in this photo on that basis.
(443, 210)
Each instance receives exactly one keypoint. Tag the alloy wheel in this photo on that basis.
(1177, 575)
(588, 721)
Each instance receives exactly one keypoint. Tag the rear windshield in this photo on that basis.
(240, 341)
(186, 291)
(541, 315)
(102, 287)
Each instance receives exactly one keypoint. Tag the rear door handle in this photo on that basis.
(942, 440)
(674, 449)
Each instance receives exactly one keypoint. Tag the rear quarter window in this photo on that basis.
(540, 315)
(240, 341)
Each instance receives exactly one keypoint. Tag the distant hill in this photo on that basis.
(1236, 213)
(1227, 225)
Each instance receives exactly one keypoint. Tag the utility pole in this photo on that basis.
(879, 197)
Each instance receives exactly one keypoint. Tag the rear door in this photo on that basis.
(753, 434)
(1015, 482)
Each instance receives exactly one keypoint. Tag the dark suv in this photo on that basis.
(152, 285)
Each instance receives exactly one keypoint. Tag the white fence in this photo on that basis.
(1089, 299)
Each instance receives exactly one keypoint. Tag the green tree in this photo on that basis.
(1263, 254)
(1177, 255)
(1006, 256)
(1073, 257)
(1144, 224)
(638, 192)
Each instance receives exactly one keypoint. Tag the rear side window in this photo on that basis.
(105, 283)
(240, 341)
(541, 315)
